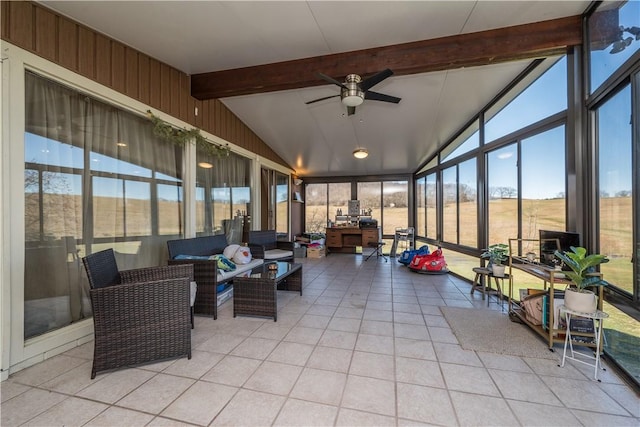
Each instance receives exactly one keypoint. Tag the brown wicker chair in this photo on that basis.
(139, 315)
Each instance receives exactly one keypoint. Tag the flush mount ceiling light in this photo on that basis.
(360, 153)
(205, 165)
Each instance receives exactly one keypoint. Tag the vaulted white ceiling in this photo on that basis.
(318, 139)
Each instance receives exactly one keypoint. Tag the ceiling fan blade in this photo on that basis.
(321, 99)
(375, 79)
(351, 111)
(375, 96)
(331, 80)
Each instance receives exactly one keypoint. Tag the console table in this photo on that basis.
(346, 239)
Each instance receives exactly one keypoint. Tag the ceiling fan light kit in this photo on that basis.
(354, 90)
(360, 153)
(351, 94)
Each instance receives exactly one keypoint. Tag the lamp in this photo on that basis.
(360, 153)
(351, 94)
(297, 181)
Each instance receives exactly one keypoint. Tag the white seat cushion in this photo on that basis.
(240, 268)
(194, 289)
(277, 254)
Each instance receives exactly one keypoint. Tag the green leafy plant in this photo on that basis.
(181, 137)
(582, 267)
(496, 253)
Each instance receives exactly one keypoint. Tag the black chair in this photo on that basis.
(139, 315)
(377, 247)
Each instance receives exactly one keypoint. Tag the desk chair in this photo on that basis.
(377, 246)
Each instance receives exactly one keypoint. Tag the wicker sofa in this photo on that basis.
(265, 244)
(206, 272)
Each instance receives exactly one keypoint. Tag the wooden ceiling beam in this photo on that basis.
(465, 50)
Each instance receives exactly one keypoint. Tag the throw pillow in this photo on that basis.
(230, 251)
(224, 263)
(242, 255)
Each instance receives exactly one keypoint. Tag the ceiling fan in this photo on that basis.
(354, 90)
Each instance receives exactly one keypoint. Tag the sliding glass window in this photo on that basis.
(96, 177)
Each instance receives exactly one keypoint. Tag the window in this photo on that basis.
(223, 195)
(468, 203)
(613, 38)
(95, 177)
(421, 207)
(395, 210)
(370, 196)
(431, 203)
(543, 182)
(315, 208)
(450, 205)
(282, 204)
(547, 95)
(338, 197)
(615, 185)
(465, 142)
(460, 210)
(503, 194)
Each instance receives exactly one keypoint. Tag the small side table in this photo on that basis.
(597, 318)
(482, 282)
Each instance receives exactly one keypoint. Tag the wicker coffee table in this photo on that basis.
(256, 294)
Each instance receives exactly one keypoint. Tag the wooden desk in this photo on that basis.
(346, 239)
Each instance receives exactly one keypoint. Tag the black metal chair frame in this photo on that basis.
(377, 246)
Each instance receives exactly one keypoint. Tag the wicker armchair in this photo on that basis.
(139, 315)
(265, 244)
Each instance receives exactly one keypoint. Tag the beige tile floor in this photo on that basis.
(366, 344)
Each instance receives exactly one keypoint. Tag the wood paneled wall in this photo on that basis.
(115, 65)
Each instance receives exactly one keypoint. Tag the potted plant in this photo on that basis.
(577, 297)
(497, 254)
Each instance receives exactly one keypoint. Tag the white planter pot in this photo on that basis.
(498, 270)
(584, 302)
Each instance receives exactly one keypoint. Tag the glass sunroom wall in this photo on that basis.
(614, 106)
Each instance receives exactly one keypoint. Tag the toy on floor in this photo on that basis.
(407, 256)
(433, 263)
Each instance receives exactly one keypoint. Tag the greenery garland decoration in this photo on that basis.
(181, 137)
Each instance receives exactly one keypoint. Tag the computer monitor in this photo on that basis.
(550, 241)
